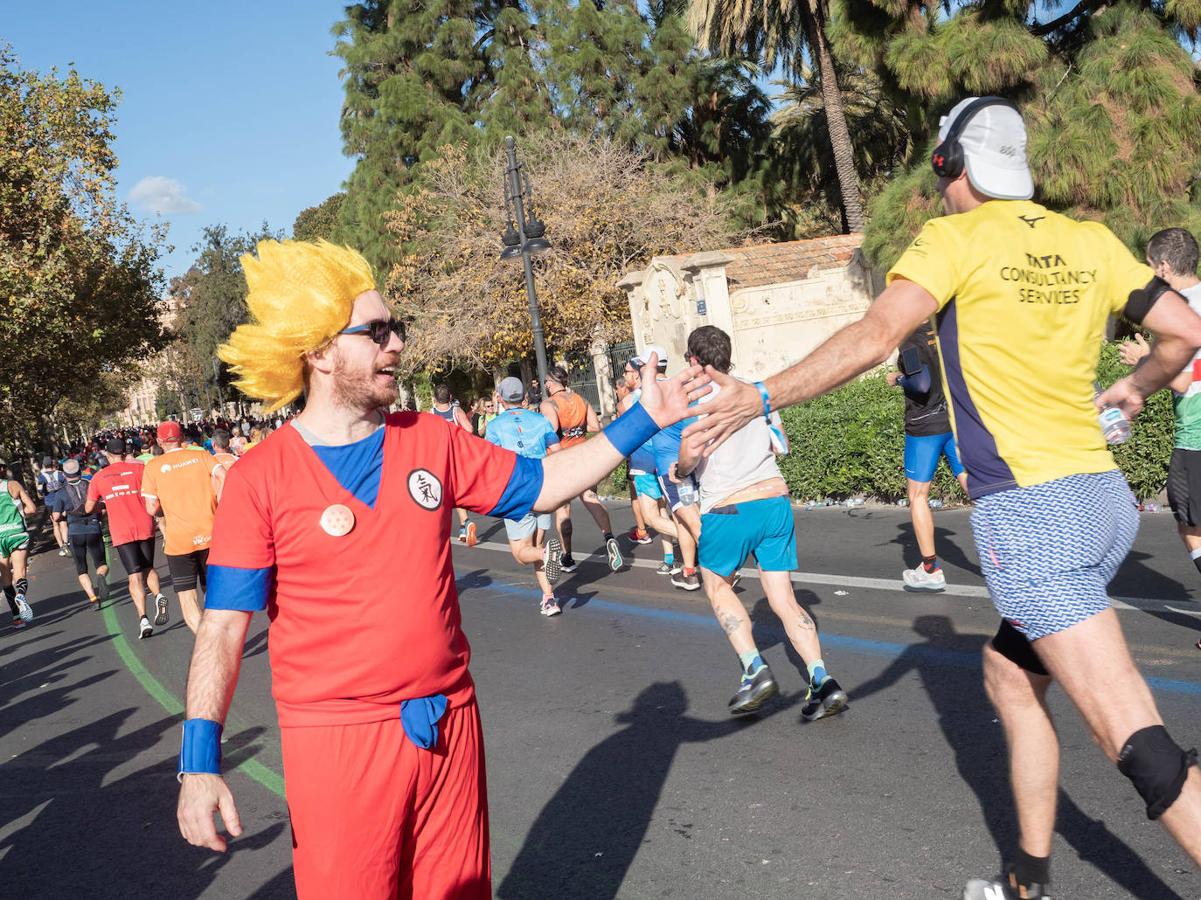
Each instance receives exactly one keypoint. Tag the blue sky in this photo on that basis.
(229, 111)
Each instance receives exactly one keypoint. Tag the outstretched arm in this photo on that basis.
(852, 351)
(216, 661)
(1177, 331)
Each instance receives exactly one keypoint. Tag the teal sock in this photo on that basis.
(817, 671)
(748, 659)
(669, 558)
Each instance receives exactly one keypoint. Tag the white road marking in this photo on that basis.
(970, 591)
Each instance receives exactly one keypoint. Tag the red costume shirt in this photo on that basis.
(362, 621)
(119, 485)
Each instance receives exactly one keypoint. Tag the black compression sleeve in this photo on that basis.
(1140, 301)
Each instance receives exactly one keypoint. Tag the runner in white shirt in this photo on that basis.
(745, 509)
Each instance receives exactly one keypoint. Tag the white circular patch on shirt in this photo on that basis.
(166, 467)
(337, 520)
(425, 489)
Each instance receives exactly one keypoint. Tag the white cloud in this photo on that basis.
(159, 194)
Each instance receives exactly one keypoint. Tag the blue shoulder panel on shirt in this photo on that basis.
(243, 589)
(525, 484)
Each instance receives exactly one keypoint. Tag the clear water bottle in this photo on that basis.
(687, 490)
(1114, 425)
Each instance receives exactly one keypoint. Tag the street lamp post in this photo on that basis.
(524, 237)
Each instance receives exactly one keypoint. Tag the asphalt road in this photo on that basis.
(614, 770)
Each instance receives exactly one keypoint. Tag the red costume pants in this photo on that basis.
(376, 818)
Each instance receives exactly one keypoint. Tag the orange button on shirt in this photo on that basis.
(181, 480)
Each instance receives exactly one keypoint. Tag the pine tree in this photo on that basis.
(512, 96)
(1111, 107)
(409, 74)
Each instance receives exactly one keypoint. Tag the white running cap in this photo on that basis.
(994, 150)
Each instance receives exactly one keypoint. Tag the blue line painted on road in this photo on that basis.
(886, 649)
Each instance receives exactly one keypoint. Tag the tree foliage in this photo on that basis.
(467, 74)
(320, 221)
(79, 279)
(606, 207)
(1108, 94)
(211, 302)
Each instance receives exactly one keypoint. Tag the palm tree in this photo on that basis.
(787, 32)
(804, 156)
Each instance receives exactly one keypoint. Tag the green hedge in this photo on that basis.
(1144, 458)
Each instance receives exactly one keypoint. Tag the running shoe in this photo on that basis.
(638, 536)
(473, 537)
(920, 580)
(690, 582)
(62, 551)
(614, 551)
(463, 535)
(145, 629)
(757, 688)
(24, 610)
(17, 623)
(550, 607)
(160, 610)
(734, 581)
(666, 568)
(828, 699)
(552, 555)
(567, 562)
(102, 587)
(978, 889)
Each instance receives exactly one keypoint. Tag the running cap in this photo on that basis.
(511, 390)
(170, 431)
(115, 445)
(71, 468)
(644, 357)
(994, 149)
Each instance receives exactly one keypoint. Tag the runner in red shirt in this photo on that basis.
(339, 526)
(119, 487)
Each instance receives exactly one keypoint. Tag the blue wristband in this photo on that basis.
(631, 429)
(766, 398)
(200, 751)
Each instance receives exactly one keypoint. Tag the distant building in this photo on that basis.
(778, 302)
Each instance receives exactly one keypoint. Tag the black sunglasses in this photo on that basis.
(380, 331)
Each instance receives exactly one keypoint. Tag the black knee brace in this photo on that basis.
(565, 527)
(1157, 767)
(22, 585)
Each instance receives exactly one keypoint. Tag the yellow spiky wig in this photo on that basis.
(301, 294)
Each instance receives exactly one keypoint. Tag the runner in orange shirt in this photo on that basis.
(574, 419)
(185, 484)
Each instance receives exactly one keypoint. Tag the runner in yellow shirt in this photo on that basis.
(1021, 297)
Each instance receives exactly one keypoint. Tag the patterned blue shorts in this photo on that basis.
(1049, 551)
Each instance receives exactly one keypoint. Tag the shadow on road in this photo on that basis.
(948, 550)
(77, 818)
(585, 838)
(965, 716)
(80, 832)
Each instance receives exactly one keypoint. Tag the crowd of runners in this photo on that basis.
(998, 369)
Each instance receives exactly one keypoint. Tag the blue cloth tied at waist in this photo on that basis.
(420, 719)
